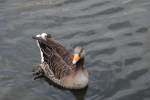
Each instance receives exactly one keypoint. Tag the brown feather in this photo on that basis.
(62, 51)
(56, 64)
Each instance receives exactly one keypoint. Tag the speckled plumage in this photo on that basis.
(57, 64)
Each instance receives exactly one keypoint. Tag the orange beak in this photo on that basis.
(76, 58)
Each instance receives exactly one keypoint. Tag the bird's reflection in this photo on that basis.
(79, 94)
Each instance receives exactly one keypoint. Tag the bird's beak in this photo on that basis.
(76, 58)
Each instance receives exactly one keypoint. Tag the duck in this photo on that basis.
(59, 65)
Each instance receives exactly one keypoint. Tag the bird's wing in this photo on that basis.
(61, 50)
(56, 64)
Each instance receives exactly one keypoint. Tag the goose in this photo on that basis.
(59, 65)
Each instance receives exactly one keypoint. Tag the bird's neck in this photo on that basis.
(80, 64)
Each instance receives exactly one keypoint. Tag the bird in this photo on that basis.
(59, 65)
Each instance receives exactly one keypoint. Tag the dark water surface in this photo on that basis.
(113, 32)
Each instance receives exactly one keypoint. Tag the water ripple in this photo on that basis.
(96, 5)
(132, 44)
(104, 12)
(128, 34)
(136, 74)
(85, 43)
(105, 51)
(142, 30)
(131, 61)
(120, 25)
(111, 31)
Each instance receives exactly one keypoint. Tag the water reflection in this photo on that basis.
(79, 94)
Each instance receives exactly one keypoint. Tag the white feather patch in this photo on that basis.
(42, 57)
(38, 35)
(43, 36)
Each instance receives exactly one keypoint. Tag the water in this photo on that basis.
(113, 32)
